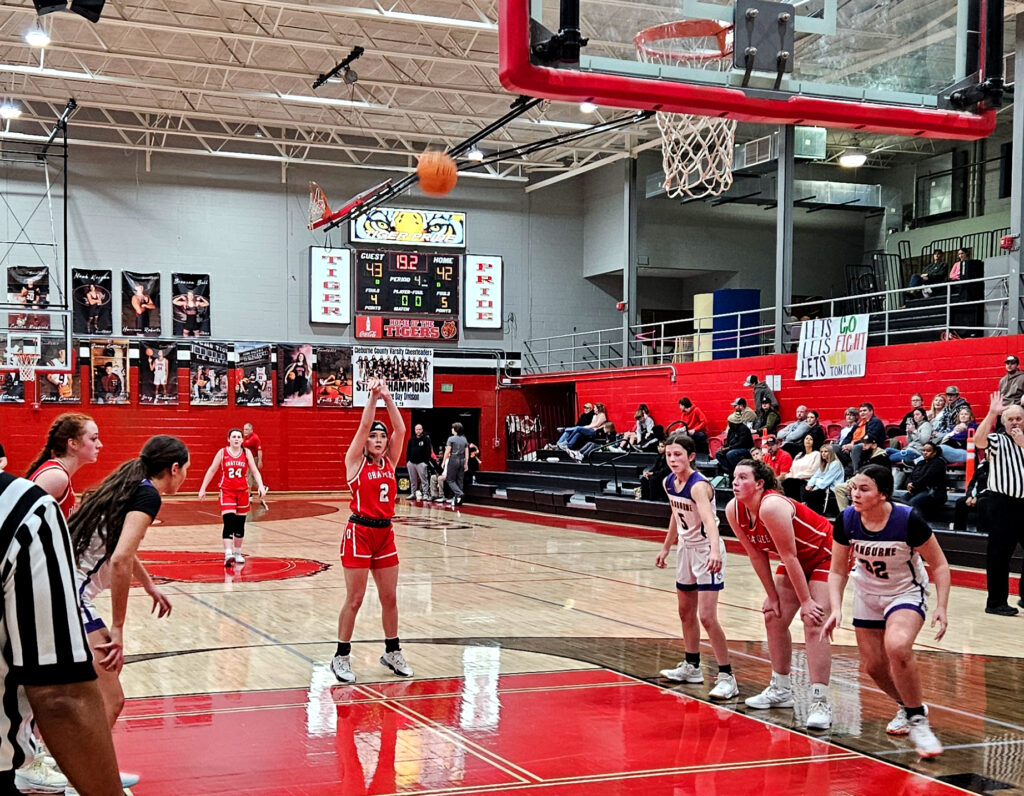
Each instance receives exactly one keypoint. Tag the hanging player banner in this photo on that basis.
(90, 301)
(158, 373)
(407, 227)
(140, 304)
(253, 385)
(208, 374)
(833, 348)
(295, 375)
(409, 373)
(57, 387)
(334, 376)
(483, 292)
(108, 364)
(190, 300)
(28, 287)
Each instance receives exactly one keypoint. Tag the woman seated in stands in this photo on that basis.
(767, 418)
(938, 404)
(846, 437)
(919, 431)
(574, 436)
(644, 429)
(652, 480)
(604, 435)
(926, 484)
(819, 485)
(954, 443)
(806, 464)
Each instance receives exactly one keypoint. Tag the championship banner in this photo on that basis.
(140, 304)
(90, 301)
(483, 292)
(406, 227)
(190, 300)
(385, 327)
(158, 373)
(208, 374)
(409, 373)
(295, 375)
(108, 363)
(59, 388)
(833, 348)
(334, 376)
(253, 385)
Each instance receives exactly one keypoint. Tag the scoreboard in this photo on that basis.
(407, 282)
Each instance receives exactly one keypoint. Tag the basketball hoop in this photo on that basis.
(26, 363)
(696, 151)
(318, 209)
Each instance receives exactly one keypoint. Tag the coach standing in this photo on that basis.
(46, 668)
(251, 442)
(1001, 508)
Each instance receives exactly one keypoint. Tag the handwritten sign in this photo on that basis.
(833, 348)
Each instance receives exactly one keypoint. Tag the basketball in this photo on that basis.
(149, 352)
(437, 173)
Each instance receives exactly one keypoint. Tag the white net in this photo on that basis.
(26, 365)
(696, 151)
(318, 208)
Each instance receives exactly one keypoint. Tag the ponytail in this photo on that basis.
(66, 427)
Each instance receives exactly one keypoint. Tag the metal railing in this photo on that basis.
(965, 308)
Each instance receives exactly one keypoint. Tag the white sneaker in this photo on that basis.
(40, 778)
(395, 661)
(229, 560)
(239, 559)
(341, 667)
(725, 687)
(128, 780)
(772, 697)
(900, 724)
(819, 717)
(419, 495)
(684, 673)
(924, 740)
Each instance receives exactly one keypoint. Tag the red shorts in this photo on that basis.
(234, 501)
(368, 548)
(816, 567)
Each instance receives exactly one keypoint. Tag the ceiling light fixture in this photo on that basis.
(475, 154)
(9, 111)
(588, 106)
(37, 37)
(854, 157)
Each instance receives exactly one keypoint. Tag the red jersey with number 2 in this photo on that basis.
(232, 471)
(373, 490)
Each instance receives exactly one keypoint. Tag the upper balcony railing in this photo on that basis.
(965, 308)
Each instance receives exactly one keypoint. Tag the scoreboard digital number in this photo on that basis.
(403, 282)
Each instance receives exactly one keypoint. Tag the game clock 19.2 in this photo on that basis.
(407, 282)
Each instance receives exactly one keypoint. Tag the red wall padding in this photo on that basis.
(303, 448)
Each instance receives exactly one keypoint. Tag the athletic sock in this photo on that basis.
(819, 690)
(344, 648)
(693, 658)
(725, 668)
(781, 680)
(228, 550)
(911, 712)
(392, 644)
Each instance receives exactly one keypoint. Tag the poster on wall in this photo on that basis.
(334, 376)
(110, 373)
(833, 348)
(190, 302)
(140, 304)
(401, 226)
(29, 287)
(294, 375)
(253, 385)
(91, 301)
(208, 374)
(409, 373)
(158, 373)
(56, 387)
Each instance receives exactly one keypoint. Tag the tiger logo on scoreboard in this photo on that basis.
(448, 330)
(410, 227)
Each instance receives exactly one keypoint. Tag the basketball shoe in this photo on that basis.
(819, 716)
(341, 667)
(395, 661)
(684, 673)
(900, 724)
(924, 740)
(40, 777)
(725, 687)
(772, 697)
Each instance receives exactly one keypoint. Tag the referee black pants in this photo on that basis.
(1002, 518)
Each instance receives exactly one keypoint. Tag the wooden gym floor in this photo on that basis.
(536, 642)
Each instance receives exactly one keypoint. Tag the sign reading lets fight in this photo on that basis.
(381, 327)
(833, 348)
(483, 292)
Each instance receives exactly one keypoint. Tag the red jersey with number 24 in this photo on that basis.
(232, 471)
(373, 490)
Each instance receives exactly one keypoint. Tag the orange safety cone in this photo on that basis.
(970, 455)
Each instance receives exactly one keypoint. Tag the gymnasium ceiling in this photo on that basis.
(232, 79)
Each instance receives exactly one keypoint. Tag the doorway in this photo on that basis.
(437, 424)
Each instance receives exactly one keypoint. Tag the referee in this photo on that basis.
(1003, 505)
(46, 670)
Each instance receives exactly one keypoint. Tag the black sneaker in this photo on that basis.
(1001, 610)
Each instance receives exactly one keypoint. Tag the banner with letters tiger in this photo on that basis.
(158, 372)
(409, 373)
(833, 348)
(208, 374)
(253, 385)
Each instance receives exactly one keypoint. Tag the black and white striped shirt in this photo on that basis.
(42, 641)
(1006, 466)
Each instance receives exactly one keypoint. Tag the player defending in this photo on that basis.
(890, 596)
(699, 567)
(369, 542)
(765, 521)
(234, 462)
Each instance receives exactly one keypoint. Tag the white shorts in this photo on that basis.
(692, 569)
(871, 610)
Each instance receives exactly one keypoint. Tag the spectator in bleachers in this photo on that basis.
(933, 274)
(761, 391)
(741, 414)
(951, 413)
(652, 480)
(871, 453)
(821, 483)
(963, 506)
(953, 443)
(695, 423)
(814, 428)
(738, 442)
(868, 427)
(918, 431)
(938, 404)
(807, 463)
(793, 434)
(1011, 386)
(644, 428)
(775, 457)
(767, 418)
(846, 437)
(575, 436)
(605, 434)
(916, 402)
(926, 484)
(958, 270)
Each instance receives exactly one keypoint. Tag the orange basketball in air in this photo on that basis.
(437, 173)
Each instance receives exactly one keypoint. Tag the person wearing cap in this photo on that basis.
(761, 391)
(767, 418)
(738, 439)
(951, 414)
(1011, 386)
(368, 546)
(741, 414)
(775, 457)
